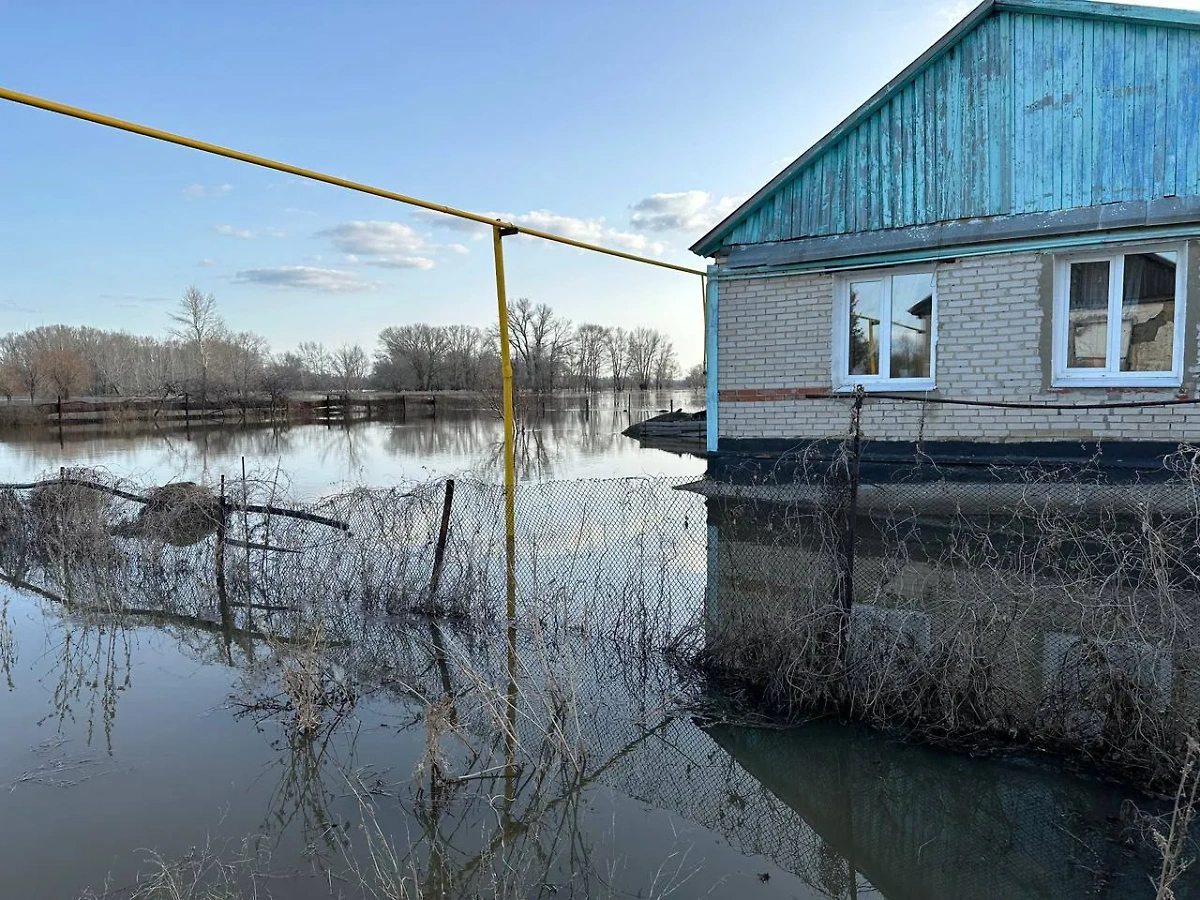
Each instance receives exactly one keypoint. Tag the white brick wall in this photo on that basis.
(776, 332)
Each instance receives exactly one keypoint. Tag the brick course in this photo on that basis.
(775, 350)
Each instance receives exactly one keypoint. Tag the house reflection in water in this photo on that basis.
(877, 818)
(1056, 613)
(1037, 634)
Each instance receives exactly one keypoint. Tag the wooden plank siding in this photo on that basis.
(1027, 113)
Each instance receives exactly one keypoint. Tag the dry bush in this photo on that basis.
(1172, 844)
(1043, 606)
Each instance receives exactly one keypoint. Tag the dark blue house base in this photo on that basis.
(783, 461)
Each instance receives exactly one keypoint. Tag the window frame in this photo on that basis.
(1062, 376)
(843, 380)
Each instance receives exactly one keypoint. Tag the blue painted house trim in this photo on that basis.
(710, 359)
(1023, 108)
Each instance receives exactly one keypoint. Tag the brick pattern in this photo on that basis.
(758, 394)
(774, 350)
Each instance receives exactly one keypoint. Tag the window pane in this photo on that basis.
(866, 300)
(912, 316)
(1148, 313)
(1087, 335)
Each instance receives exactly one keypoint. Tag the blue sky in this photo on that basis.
(631, 124)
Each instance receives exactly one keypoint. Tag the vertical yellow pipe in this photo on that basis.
(510, 523)
(506, 379)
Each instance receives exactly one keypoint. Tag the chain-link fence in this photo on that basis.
(1032, 603)
(1039, 601)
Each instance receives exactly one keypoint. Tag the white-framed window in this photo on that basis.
(1119, 317)
(885, 330)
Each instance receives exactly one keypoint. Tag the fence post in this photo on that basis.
(852, 479)
(439, 553)
(219, 553)
(850, 525)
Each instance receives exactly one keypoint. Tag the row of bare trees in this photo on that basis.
(548, 352)
(201, 356)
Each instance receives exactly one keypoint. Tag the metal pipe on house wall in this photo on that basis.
(710, 359)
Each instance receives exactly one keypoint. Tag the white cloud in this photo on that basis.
(690, 211)
(391, 245)
(247, 234)
(229, 231)
(591, 231)
(953, 12)
(208, 261)
(133, 301)
(452, 223)
(198, 191)
(310, 278)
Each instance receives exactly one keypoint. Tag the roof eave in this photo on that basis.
(1087, 9)
(1145, 15)
(712, 240)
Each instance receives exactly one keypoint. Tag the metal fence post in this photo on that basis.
(849, 524)
(853, 464)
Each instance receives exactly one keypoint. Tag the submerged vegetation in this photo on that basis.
(1009, 619)
(1039, 607)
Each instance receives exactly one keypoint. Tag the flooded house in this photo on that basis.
(952, 386)
(1000, 250)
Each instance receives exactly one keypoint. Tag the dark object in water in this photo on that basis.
(679, 432)
(180, 514)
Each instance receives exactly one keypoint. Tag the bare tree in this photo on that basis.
(696, 377)
(465, 346)
(418, 351)
(616, 344)
(589, 355)
(666, 363)
(242, 357)
(65, 369)
(201, 355)
(644, 344)
(198, 325)
(20, 363)
(350, 366)
(543, 342)
(316, 365)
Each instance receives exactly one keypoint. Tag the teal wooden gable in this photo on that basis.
(1025, 107)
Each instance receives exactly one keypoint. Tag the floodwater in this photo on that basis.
(575, 438)
(151, 723)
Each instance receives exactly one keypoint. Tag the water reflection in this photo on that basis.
(421, 759)
(348, 740)
(881, 818)
(575, 437)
